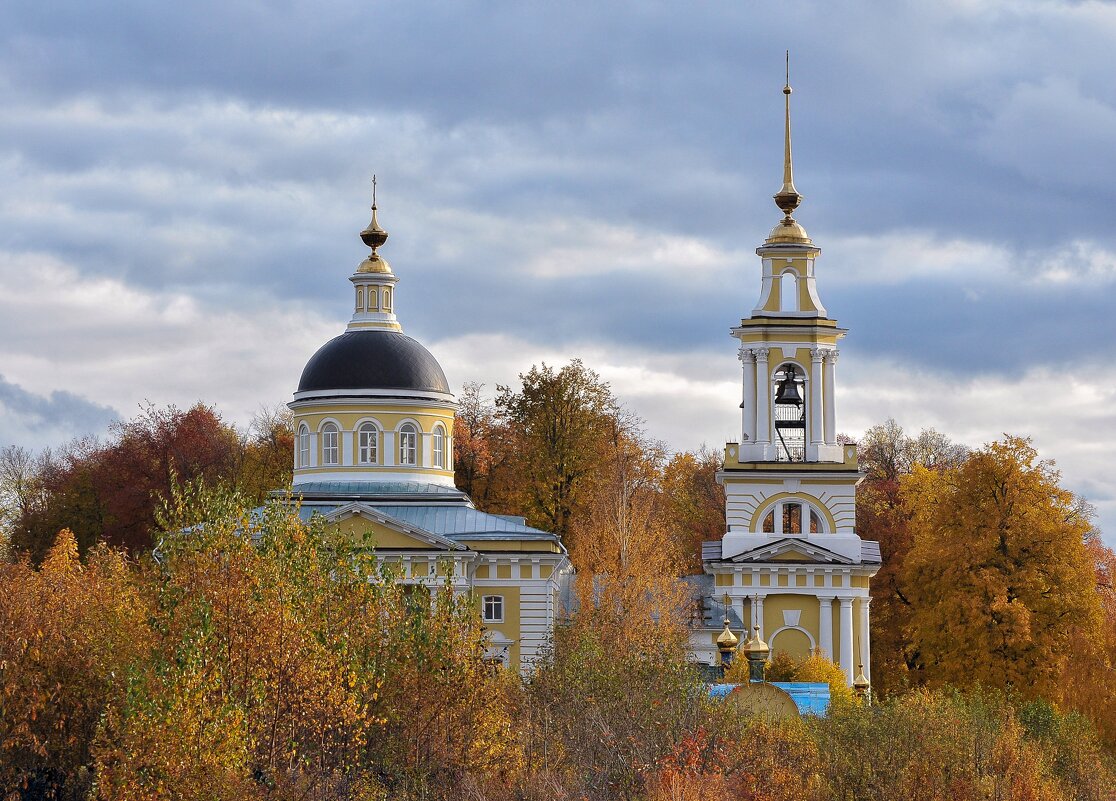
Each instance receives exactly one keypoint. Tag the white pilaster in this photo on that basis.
(390, 456)
(763, 398)
(825, 625)
(757, 613)
(847, 665)
(830, 401)
(748, 406)
(817, 429)
(865, 638)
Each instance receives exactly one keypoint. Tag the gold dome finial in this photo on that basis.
(374, 236)
(787, 199)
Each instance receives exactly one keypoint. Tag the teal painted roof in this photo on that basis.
(372, 488)
(453, 522)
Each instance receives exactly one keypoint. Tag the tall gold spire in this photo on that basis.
(787, 198)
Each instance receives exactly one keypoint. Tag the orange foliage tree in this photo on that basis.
(290, 663)
(109, 492)
(695, 502)
(69, 634)
(887, 454)
(998, 577)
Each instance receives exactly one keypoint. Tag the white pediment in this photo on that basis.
(793, 550)
(424, 538)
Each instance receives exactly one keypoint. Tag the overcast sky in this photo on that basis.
(182, 187)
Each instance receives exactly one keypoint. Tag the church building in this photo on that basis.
(373, 422)
(790, 562)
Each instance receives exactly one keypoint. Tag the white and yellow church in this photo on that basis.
(374, 420)
(790, 562)
(373, 455)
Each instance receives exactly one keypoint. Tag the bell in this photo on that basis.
(787, 391)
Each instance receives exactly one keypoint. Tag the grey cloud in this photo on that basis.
(33, 420)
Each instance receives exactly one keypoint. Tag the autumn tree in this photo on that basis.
(485, 446)
(695, 502)
(108, 491)
(1089, 679)
(887, 453)
(69, 635)
(998, 578)
(564, 420)
(291, 663)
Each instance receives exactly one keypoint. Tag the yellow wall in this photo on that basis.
(510, 627)
(357, 528)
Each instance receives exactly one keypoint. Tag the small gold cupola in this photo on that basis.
(374, 282)
(788, 231)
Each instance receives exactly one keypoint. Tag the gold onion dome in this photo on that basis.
(755, 646)
(788, 231)
(727, 641)
(374, 236)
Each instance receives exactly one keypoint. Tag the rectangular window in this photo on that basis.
(792, 518)
(408, 446)
(368, 445)
(439, 448)
(331, 453)
(493, 609)
(304, 449)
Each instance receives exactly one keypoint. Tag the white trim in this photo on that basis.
(321, 441)
(357, 395)
(361, 509)
(781, 629)
(418, 444)
(484, 608)
(379, 429)
(415, 475)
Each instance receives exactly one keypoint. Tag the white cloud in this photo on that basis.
(119, 345)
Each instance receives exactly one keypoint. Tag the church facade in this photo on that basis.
(790, 562)
(373, 456)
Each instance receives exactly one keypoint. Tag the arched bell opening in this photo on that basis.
(788, 291)
(790, 414)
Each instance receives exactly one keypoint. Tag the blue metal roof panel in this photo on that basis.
(462, 522)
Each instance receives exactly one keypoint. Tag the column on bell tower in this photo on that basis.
(830, 401)
(748, 404)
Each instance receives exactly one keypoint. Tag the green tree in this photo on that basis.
(565, 421)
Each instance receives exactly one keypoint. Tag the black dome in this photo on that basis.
(373, 360)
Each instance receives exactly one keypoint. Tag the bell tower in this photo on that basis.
(791, 561)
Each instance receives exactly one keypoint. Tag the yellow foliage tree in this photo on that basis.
(69, 633)
(998, 578)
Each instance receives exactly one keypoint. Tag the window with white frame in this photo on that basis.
(303, 445)
(408, 444)
(439, 446)
(368, 444)
(331, 444)
(790, 516)
(492, 609)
